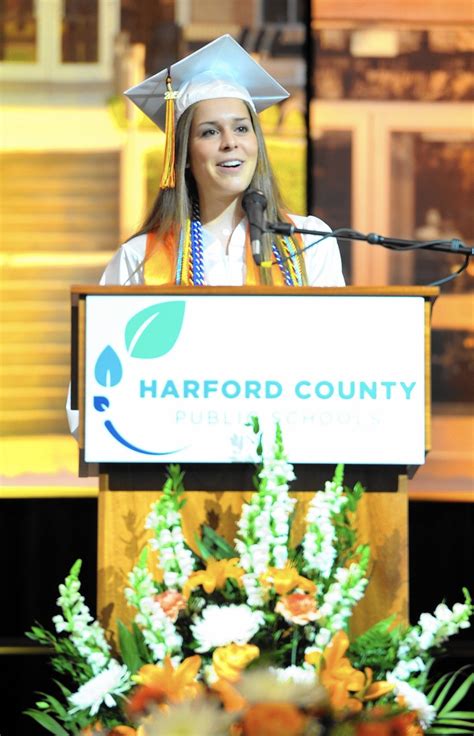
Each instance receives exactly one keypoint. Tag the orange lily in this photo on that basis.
(347, 687)
(404, 724)
(175, 685)
(231, 699)
(274, 719)
(285, 579)
(214, 576)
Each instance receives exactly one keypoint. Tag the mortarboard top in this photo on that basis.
(222, 68)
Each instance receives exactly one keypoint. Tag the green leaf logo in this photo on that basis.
(153, 331)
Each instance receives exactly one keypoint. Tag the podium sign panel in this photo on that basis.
(175, 377)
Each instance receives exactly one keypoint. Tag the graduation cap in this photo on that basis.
(222, 68)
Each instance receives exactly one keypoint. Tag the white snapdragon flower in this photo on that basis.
(102, 689)
(86, 635)
(164, 519)
(340, 598)
(219, 626)
(430, 631)
(264, 528)
(414, 700)
(158, 630)
(319, 542)
(405, 668)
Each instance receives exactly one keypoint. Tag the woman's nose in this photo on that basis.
(228, 139)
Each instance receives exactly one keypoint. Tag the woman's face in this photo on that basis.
(222, 148)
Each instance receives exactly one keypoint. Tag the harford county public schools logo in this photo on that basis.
(149, 334)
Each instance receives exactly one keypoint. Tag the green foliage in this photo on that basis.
(445, 698)
(50, 714)
(47, 722)
(176, 476)
(345, 527)
(376, 647)
(255, 425)
(129, 648)
(211, 544)
(66, 659)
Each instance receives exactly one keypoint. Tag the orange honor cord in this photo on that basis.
(168, 177)
(159, 265)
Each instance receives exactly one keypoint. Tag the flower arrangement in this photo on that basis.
(251, 639)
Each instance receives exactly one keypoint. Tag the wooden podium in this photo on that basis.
(216, 490)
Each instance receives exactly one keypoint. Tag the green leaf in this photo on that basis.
(439, 700)
(65, 690)
(55, 704)
(141, 644)
(128, 648)
(76, 568)
(203, 550)
(153, 331)
(461, 714)
(338, 478)
(436, 688)
(143, 558)
(454, 722)
(222, 549)
(460, 693)
(446, 730)
(47, 722)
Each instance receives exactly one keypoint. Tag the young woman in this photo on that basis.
(196, 232)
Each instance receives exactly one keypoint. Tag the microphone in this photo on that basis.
(254, 204)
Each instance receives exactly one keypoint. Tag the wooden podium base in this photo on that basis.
(382, 522)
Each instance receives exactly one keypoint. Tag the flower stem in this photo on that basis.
(294, 647)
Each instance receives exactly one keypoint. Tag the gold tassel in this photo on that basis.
(168, 177)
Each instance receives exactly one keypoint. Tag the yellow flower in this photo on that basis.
(174, 685)
(214, 576)
(286, 579)
(347, 687)
(229, 661)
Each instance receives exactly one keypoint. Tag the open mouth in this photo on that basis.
(234, 164)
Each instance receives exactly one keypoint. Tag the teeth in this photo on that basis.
(228, 164)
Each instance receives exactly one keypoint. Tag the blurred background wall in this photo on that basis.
(377, 135)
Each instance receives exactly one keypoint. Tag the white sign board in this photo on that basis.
(175, 378)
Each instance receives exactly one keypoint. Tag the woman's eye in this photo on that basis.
(209, 132)
(243, 129)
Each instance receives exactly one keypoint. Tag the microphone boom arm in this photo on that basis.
(446, 246)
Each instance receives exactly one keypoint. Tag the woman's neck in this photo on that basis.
(221, 215)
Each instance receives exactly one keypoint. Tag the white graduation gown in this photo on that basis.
(323, 266)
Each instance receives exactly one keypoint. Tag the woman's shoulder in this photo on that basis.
(125, 265)
(322, 257)
(136, 245)
(309, 222)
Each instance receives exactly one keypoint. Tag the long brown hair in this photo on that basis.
(173, 207)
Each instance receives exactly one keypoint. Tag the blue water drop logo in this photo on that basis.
(101, 403)
(108, 368)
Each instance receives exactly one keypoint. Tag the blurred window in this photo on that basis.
(283, 11)
(332, 184)
(431, 199)
(18, 31)
(80, 31)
